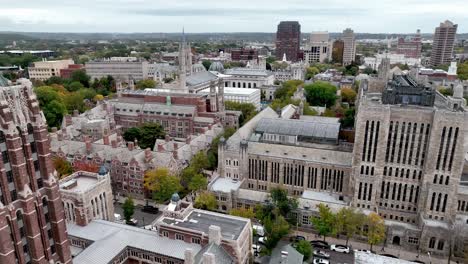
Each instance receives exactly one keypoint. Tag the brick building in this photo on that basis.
(244, 54)
(67, 72)
(87, 196)
(288, 40)
(410, 47)
(32, 226)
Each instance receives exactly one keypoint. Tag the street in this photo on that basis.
(142, 217)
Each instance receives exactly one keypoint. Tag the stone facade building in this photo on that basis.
(87, 196)
(32, 226)
(349, 46)
(121, 68)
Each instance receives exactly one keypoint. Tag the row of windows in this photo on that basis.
(399, 192)
(402, 173)
(448, 143)
(371, 138)
(438, 203)
(440, 179)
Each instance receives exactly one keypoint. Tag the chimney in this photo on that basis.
(160, 147)
(105, 138)
(114, 143)
(209, 258)
(76, 113)
(214, 234)
(148, 155)
(189, 256)
(130, 145)
(167, 138)
(87, 140)
(188, 139)
(68, 120)
(59, 136)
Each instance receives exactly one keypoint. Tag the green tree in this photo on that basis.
(276, 228)
(128, 209)
(87, 93)
(206, 64)
(368, 70)
(376, 229)
(270, 59)
(325, 222)
(320, 94)
(206, 201)
(54, 112)
(54, 80)
(80, 76)
(445, 91)
(74, 101)
(462, 71)
(348, 120)
(283, 203)
(243, 212)
(304, 247)
(161, 183)
(198, 183)
(142, 84)
(199, 161)
(248, 110)
(74, 86)
(348, 222)
(311, 72)
(146, 134)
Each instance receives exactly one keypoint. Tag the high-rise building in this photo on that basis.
(337, 51)
(349, 47)
(442, 46)
(288, 40)
(411, 46)
(32, 222)
(318, 49)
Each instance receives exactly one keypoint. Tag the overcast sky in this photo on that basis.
(374, 16)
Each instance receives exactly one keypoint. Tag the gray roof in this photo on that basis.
(293, 255)
(199, 220)
(111, 238)
(221, 256)
(247, 71)
(152, 107)
(225, 185)
(200, 77)
(3, 81)
(295, 127)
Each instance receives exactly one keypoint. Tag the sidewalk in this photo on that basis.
(389, 249)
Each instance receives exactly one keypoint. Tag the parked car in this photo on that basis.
(321, 261)
(256, 249)
(340, 248)
(321, 254)
(297, 238)
(262, 240)
(150, 209)
(259, 230)
(363, 250)
(319, 244)
(132, 222)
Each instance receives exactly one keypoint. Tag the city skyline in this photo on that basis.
(147, 16)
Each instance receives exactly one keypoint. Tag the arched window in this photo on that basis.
(447, 180)
(432, 242)
(435, 179)
(255, 85)
(440, 245)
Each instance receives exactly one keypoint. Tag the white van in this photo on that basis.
(259, 229)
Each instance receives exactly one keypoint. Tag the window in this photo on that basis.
(413, 240)
(196, 240)
(165, 234)
(440, 245)
(432, 242)
(179, 237)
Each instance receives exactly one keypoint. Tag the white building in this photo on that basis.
(119, 68)
(43, 70)
(374, 62)
(240, 95)
(318, 49)
(248, 78)
(349, 50)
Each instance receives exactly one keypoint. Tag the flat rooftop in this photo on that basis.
(83, 183)
(231, 227)
(233, 91)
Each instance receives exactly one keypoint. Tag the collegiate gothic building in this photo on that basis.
(32, 222)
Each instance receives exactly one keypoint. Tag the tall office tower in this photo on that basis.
(442, 46)
(32, 222)
(288, 40)
(318, 49)
(410, 46)
(337, 51)
(408, 160)
(349, 48)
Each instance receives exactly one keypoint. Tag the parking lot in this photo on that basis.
(142, 217)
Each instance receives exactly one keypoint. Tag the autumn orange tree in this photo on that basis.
(62, 166)
(376, 229)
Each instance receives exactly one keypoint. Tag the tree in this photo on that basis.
(75, 86)
(325, 222)
(198, 182)
(283, 203)
(242, 212)
(445, 91)
(199, 161)
(54, 112)
(74, 101)
(128, 209)
(320, 94)
(376, 229)
(206, 64)
(206, 201)
(54, 80)
(311, 72)
(348, 222)
(304, 247)
(348, 120)
(276, 227)
(161, 183)
(146, 134)
(462, 71)
(348, 95)
(142, 84)
(368, 70)
(248, 110)
(62, 166)
(98, 97)
(80, 76)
